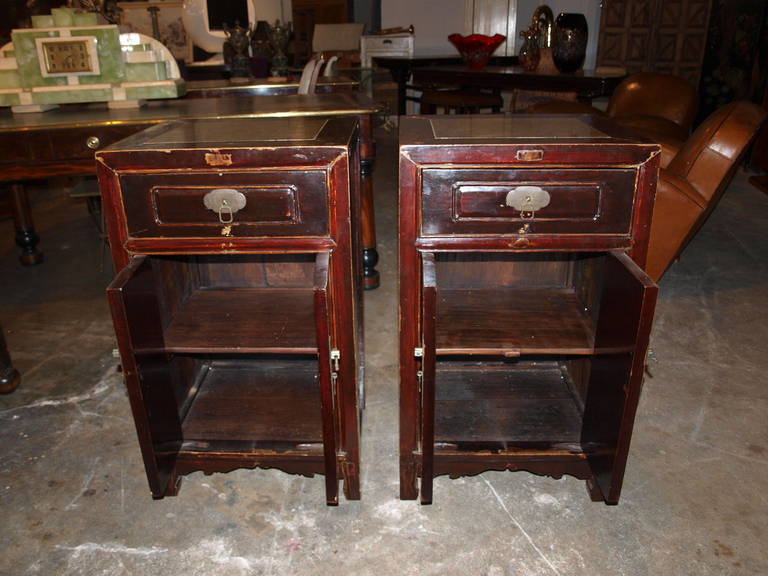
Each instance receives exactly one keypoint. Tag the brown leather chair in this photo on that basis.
(661, 107)
(692, 184)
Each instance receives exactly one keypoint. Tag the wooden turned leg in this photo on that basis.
(595, 494)
(9, 376)
(408, 489)
(26, 237)
(370, 255)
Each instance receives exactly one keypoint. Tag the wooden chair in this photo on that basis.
(694, 181)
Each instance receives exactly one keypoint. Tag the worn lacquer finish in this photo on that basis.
(524, 312)
(238, 329)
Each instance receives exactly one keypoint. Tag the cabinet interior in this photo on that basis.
(514, 349)
(511, 304)
(253, 303)
(227, 351)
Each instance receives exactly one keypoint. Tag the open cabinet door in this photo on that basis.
(621, 340)
(327, 375)
(427, 377)
(148, 371)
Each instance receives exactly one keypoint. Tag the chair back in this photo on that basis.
(308, 80)
(714, 151)
(654, 94)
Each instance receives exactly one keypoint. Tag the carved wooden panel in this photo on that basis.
(654, 35)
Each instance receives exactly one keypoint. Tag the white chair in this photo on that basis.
(308, 80)
(330, 66)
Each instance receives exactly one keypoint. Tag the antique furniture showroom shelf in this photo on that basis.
(237, 302)
(524, 310)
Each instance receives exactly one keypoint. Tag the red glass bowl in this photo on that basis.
(476, 49)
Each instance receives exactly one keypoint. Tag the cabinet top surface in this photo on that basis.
(240, 133)
(512, 129)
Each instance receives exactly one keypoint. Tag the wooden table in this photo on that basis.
(62, 142)
(401, 68)
(502, 74)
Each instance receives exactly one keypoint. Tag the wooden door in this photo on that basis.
(492, 17)
(667, 36)
(627, 305)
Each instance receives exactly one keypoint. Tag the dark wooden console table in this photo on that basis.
(502, 74)
(62, 142)
(401, 68)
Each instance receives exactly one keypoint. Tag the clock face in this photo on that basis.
(66, 57)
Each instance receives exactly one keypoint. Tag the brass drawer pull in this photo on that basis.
(527, 200)
(93, 142)
(225, 202)
(530, 155)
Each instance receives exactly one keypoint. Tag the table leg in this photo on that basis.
(367, 154)
(9, 376)
(26, 237)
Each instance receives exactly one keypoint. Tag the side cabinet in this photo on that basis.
(237, 302)
(524, 310)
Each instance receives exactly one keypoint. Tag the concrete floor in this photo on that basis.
(74, 498)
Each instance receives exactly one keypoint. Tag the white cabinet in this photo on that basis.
(390, 45)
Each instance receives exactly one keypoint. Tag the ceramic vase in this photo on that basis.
(569, 45)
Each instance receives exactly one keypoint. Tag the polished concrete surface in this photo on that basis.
(74, 499)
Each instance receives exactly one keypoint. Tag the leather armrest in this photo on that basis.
(676, 213)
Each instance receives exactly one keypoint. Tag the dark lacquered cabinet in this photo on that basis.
(524, 310)
(237, 303)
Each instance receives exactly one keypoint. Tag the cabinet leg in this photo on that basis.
(174, 485)
(352, 484)
(26, 237)
(408, 489)
(9, 376)
(595, 494)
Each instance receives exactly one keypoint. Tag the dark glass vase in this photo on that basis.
(569, 42)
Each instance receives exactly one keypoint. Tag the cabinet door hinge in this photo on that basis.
(418, 352)
(420, 379)
(335, 357)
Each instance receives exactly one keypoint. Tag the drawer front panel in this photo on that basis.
(279, 203)
(474, 201)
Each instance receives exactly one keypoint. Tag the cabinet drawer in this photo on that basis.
(277, 203)
(383, 44)
(579, 201)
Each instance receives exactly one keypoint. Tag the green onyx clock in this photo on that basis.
(69, 57)
(65, 57)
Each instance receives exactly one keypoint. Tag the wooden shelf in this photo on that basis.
(512, 321)
(505, 407)
(255, 405)
(272, 320)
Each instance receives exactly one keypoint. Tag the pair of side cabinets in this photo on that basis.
(524, 310)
